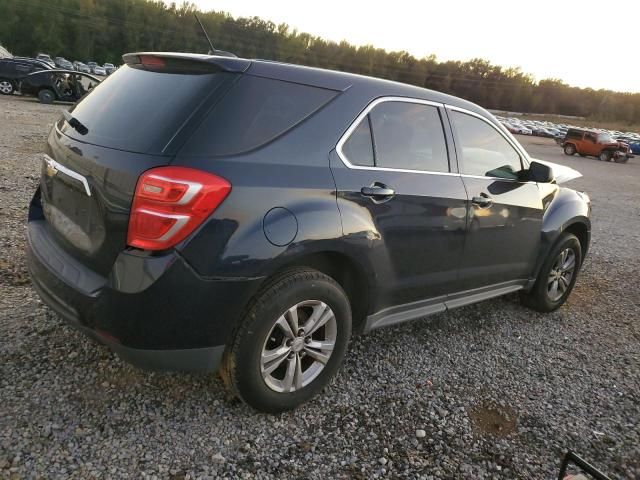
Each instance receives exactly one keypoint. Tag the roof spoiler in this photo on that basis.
(185, 62)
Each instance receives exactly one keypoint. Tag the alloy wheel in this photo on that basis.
(6, 87)
(561, 274)
(298, 346)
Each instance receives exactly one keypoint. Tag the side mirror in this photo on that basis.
(539, 172)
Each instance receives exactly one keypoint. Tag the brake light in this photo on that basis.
(170, 203)
(152, 61)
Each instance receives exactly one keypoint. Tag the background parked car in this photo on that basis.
(109, 68)
(42, 65)
(634, 146)
(62, 62)
(46, 58)
(92, 65)
(81, 67)
(60, 85)
(12, 70)
(99, 70)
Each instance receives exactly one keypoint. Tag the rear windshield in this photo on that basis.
(140, 111)
(255, 111)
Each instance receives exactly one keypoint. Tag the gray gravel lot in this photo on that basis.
(488, 391)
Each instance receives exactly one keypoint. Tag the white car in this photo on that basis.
(521, 129)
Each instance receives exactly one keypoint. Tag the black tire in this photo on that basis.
(46, 95)
(569, 149)
(241, 364)
(604, 156)
(621, 159)
(7, 87)
(539, 298)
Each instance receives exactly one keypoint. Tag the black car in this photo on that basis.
(202, 212)
(13, 69)
(60, 85)
(63, 63)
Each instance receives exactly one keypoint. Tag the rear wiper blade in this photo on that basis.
(75, 123)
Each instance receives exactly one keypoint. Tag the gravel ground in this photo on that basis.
(487, 391)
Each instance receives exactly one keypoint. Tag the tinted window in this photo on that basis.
(409, 136)
(359, 148)
(255, 111)
(483, 150)
(140, 111)
(574, 134)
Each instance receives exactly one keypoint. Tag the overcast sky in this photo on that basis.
(584, 43)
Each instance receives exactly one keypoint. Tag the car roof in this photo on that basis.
(63, 70)
(324, 78)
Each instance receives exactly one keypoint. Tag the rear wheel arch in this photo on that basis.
(349, 274)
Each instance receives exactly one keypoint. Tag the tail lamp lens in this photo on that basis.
(170, 203)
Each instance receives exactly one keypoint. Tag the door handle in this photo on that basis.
(482, 201)
(377, 191)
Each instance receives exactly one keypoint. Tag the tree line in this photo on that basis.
(104, 30)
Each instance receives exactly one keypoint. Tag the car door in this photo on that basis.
(505, 212)
(401, 205)
(589, 144)
(84, 84)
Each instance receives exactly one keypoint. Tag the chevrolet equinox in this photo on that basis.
(207, 213)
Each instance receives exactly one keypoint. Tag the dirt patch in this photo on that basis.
(492, 419)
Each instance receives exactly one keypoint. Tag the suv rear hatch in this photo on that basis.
(133, 121)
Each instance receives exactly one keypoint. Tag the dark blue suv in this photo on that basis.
(211, 213)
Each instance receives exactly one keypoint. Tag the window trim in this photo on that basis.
(524, 158)
(345, 136)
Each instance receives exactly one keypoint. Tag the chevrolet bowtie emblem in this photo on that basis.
(52, 168)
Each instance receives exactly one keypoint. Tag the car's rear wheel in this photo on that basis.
(46, 96)
(6, 86)
(557, 276)
(604, 156)
(569, 149)
(290, 343)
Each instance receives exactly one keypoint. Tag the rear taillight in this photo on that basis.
(170, 203)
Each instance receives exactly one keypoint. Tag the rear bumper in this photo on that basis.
(154, 312)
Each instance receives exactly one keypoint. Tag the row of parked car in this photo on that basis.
(48, 80)
(560, 132)
(88, 67)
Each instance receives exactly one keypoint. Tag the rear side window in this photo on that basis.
(409, 136)
(576, 134)
(359, 146)
(399, 135)
(140, 111)
(255, 111)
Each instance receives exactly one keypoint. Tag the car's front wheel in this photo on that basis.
(46, 96)
(290, 343)
(557, 276)
(6, 86)
(604, 156)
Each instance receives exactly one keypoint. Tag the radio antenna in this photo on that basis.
(213, 50)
